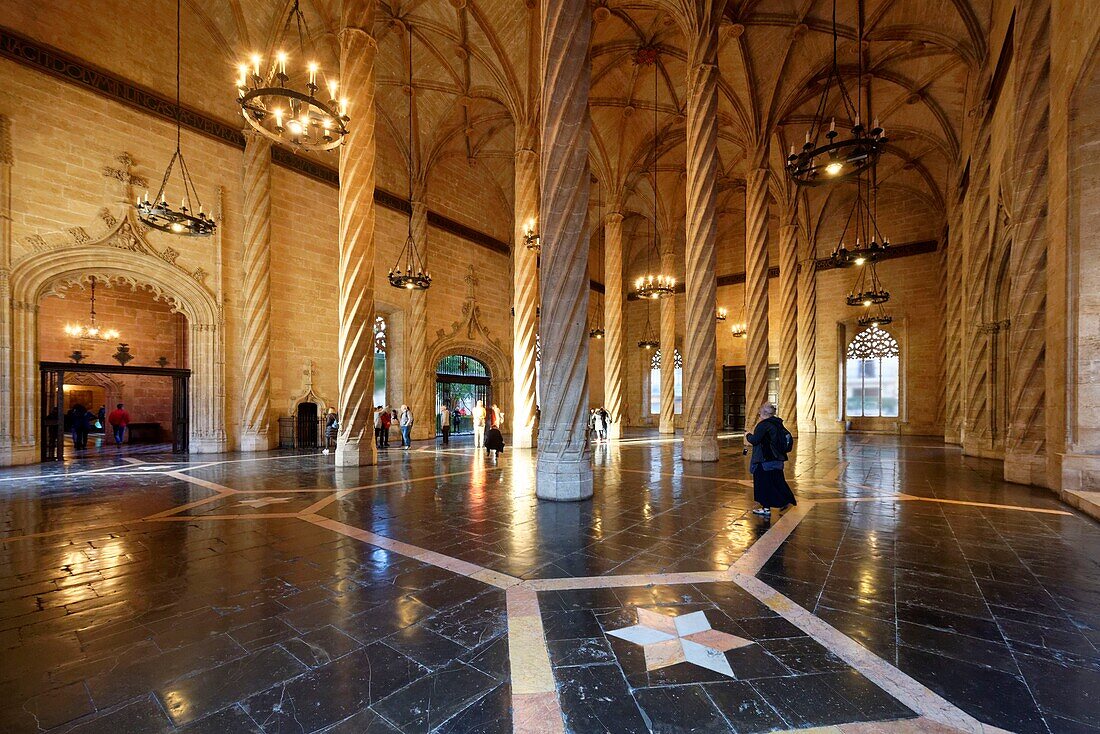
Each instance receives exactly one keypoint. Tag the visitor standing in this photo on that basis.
(119, 419)
(770, 443)
(494, 442)
(332, 428)
(78, 423)
(445, 424)
(384, 433)
(605, 417)
(479, 425)
(378, 426)
(406, 424)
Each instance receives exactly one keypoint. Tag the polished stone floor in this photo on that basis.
(910, 590)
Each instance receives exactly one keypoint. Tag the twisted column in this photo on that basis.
(1025, 447)
(953, 343)
(976, 379)
(756, 291)
(525, 289)
(355, 376)
(701, 286)
(7, 417)
(421, 392)
(788, 333)
(668, 341)
(256, 333)
(807, 337)
(613, 322)
(564, 471)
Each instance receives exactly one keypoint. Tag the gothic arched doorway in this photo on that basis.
(460, 381)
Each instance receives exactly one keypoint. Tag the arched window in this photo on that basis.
(655, 382)
(871, 378)
(379, 361)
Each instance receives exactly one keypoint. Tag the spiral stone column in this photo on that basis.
(807, 337)
(421, 395)
(613, 323)
(668, 340)
(1025, 445)
(756, 291)
(256, 297)
(953, 351)
(977, 432)
(7, 418)
(525, 288)
(355, 376)
(788, 334)
(564, 471)
(700, 282)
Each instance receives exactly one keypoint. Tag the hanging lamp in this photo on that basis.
(877, 317)
(721, 313)
(90, 330)
(597, 332)
(653, 285)
(649, 340)
(411, 271)
(862, 225)
(283, 109)
(189, 220)
(838, 158)
(867, 291)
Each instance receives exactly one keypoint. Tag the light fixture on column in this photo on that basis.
(285, 109)
(867, 291)
(834, 158)
(862, 225)
(90, 330)
(189, 220)
(531, 238)
(411, 271)
(739, 331)
(597, 332)
(721, 313)
(653, 285)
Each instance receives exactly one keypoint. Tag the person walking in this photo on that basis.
(332, 428)
(479, 425)
(79, 426)
(387, 419)
(599, 419)
(406, 423)
(445, 424)
(378, 426)
(119, 419)
(494, 442)
(770, 442)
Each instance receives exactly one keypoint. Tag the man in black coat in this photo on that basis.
(769, 452)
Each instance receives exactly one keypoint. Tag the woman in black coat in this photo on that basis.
(769, 486)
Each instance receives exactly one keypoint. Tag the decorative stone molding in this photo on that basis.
(308, 394)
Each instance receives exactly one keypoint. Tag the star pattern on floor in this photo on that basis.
(263, 501)
(668, 640)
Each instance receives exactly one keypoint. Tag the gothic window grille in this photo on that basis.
(871, 378)
(379, 360)
(655, 382)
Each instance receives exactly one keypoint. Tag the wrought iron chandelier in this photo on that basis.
(597, 332)
(878, 317)
(653, 285)
(189, 220)
(834, 158)
(867, 290)
(411, 270)
(91, 331)
(283, 112)
(862, 222)
(720, 314)
(739, 331)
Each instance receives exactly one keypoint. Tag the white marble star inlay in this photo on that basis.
(682, 638)
(263, 501)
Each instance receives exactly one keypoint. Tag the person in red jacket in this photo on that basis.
(119, 419)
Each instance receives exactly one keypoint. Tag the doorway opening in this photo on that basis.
(733, 395)
(460, 381)
(308, 433)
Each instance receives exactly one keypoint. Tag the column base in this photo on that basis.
(21, 455)
(807, 427)
(1080, 471)
(423, 434)
(523, 438)
(614, 431)
(563, 481)
(700, 448)
(354, 452)
(255, 441)
(665, 429)
(207, 444)
(1026, 469)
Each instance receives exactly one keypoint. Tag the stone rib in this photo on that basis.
(700, 349)
(256, 300)
(613, 322)
(788, 335)
(355, 377)
(756, 290)
(421, 374)
(564, 471)
(1026, 440)
(525, 277)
